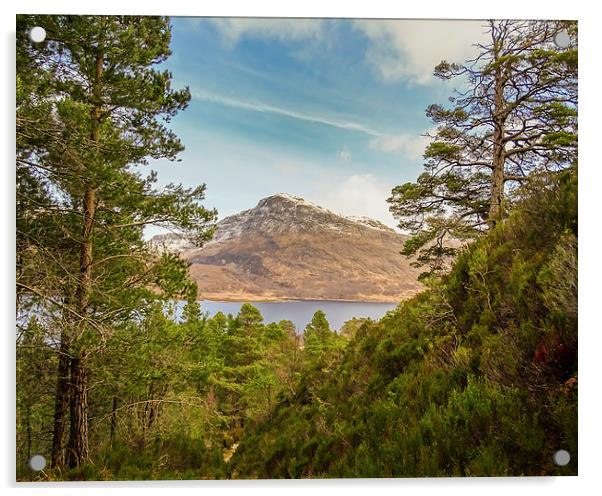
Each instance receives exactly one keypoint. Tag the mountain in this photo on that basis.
(289, 248)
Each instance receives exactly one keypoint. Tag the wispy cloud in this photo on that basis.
(399, 49)
(258, 106)
(408, 144)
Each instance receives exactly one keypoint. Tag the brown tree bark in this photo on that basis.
(61, 405)
(78, 433)
(78, 450)
(28, 430)
(499, 157)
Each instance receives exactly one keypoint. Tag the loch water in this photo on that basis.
(300, 312)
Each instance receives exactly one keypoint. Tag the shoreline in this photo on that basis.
(223, 299)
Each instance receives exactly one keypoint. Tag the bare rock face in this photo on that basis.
(289, 248)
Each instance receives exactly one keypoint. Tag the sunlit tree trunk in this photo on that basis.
(78, 441)
(498, 159)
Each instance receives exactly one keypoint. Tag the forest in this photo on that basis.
(474, 376)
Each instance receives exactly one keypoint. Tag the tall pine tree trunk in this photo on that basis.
(497, 182)
(78, 451)
(28, 430)
(78, 432)
(61, 404)
(499, 157)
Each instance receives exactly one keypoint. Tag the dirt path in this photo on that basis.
(229, 452)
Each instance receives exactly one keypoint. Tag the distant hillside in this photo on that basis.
(289, 248)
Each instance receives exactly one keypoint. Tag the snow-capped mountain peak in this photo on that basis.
(278, 213)
(289, 248)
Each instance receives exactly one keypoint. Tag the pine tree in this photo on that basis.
(84, 138)
(317, 336)
(517, 113)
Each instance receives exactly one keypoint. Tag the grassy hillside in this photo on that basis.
(476, 376)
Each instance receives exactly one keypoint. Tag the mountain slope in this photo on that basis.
(289, 248)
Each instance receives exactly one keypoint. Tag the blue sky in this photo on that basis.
(329, 110)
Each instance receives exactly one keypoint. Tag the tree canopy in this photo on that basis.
(515, 113)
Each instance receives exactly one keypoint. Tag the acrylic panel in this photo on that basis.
(295, 248)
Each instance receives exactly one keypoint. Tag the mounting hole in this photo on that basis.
(37, 463)
(562, 458)
(37, 34)
(562, 39)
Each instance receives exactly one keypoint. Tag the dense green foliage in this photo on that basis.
(174, 391)
(476, 376)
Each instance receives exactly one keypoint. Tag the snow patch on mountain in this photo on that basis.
(276, 214)
(171, 242)
(370, 222)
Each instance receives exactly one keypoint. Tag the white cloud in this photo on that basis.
(410, 145)
(233, 30)
(361, 195)
(398, 50)
(410, 49)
